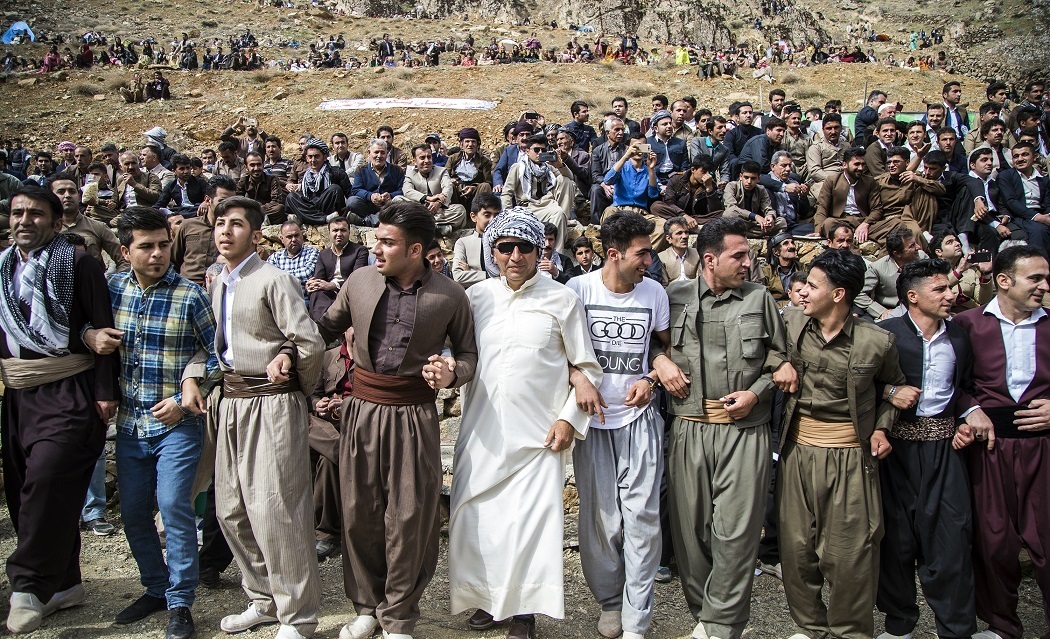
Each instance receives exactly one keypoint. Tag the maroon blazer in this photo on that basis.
(989, 359)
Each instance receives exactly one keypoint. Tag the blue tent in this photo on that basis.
(16, 28)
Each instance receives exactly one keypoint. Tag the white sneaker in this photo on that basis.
(247, 619)
(289, 632)
(362, 627)
(633, 635)
(775, 570)
(609, 624)
(395, 635)
(986, 634)
(798, 635)
(887, 635)
(66, 599)
(699, 632)
(26, 613)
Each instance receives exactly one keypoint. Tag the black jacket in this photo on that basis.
(172, 193)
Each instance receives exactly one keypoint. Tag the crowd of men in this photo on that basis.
(729, 404)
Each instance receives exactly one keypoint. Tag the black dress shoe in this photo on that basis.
(210, 578)
(326, 549)
(180, 624)
(143, 607)
(522, 627)
(480, 620)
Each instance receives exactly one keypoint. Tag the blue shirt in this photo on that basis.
(631, 186)
(165, 326)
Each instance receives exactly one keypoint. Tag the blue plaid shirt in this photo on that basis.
(164, 326)
(301, 266)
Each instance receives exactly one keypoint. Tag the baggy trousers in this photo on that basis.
(618, 475)
(926, 516)
(1011, 507)
(390, 474)
(324, 449)
(830, 530)
(52, 437)
(263, 502)
(718, 476)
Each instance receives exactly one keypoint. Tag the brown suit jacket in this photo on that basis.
(147, 189)
(482, 163)
(269, 191)
(832, 200)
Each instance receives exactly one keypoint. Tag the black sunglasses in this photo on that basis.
(506, 248)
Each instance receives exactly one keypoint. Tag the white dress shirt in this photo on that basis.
(1019, 340)
(229, 281)
(938, 384)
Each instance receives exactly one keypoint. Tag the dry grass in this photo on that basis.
(87, 89)
(806, 93)
(790, 78)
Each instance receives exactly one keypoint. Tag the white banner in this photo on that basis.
(407, 103)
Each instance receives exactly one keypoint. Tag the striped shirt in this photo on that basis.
(164, 326)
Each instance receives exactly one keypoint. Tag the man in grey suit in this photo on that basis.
(468, 263)
(603, 157)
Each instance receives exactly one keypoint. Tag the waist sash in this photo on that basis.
(236, 386)
(924, 429)
(391, 390)
(714, 413)
(27, 373)
(1003, 419)
(812, 432)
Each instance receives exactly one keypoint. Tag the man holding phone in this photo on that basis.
(543, 184)
(635, 186)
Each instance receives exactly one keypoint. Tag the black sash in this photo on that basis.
(1003, 419)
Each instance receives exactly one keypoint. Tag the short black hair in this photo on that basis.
(774, 122)
(250, 154)
(34, 192)
(549, 229)
(832, 117)
(798, 277)
(917, 271)
(583, 241)
(661, 98)
(702, 161)
(339, 134)
(576, 106)
(217, 182)
(781, 92)
(853, 152)
(1006, 260)
(937, 241)
(178, 159)
(884, 121)
(948, 85)
(895, 239)
(414, 220)
(936, 157)
(539, 138)
(385, 127)
(935, 106)
(899, 152)
(712, 235)
(139, 218)
(64, 176)
(276, 140)
(227, 146)
(419, 147)
(252, 210)
(990, 107)
(840, 224)
(843, 269)
(993, 88)
(750, 167)
(621, 228)
(486, 201)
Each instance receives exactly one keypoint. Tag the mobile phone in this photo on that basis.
(645, 148)
(532, 115)
(250, 122)
(548, 156)
(980, 256)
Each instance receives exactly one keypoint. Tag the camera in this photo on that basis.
(548, 156)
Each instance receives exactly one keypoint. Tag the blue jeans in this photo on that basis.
(161, 469)
(95, 504)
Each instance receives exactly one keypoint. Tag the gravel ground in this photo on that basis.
(111, 578)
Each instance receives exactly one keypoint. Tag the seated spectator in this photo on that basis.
(542, 183)
(98, 194)
(678, 261)
(672, 154)
(468, 262)
(578, 162)
(760, 149)
(879, 295)
(742, 115)
(375, 184)
(908, 199)
(135, 90)
(510, 154)
(149, 159)
(746, 199)
(948, 142)
(796, 139)
(692, 195)
(276, 165)
(436, 258)
(633, 179)
(134, 186)
(551, 262)
(431, 186)
(980, 215)
(885, 139)
(246, 136)
(994, 134)
(229, 162)
(586, 260)
(333, 265)
(603, 157)
(787, 194)
(972, 283)
(183, 195)
(470, 170)
(264, 188)
(433, 140)
(342, 157)
(583, 133)
(296, 258)
(853, 197)
(158, 88)
(712, 145)
(1024, 193)
(795, 284)
(781, 266)
(322, 193)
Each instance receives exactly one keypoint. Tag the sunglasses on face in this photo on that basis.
(506, 248)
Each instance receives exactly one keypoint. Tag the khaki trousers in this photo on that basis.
(718, 476)
(264, 506)
(830, 529)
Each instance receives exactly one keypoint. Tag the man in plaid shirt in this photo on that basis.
(296, 258)
(165, 331)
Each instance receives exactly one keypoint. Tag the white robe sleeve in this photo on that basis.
(580, 353)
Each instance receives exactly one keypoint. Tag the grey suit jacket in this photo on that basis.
(733, 198)
(469, 250)
(673, 268)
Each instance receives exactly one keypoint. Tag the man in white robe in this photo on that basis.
(519, 419)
